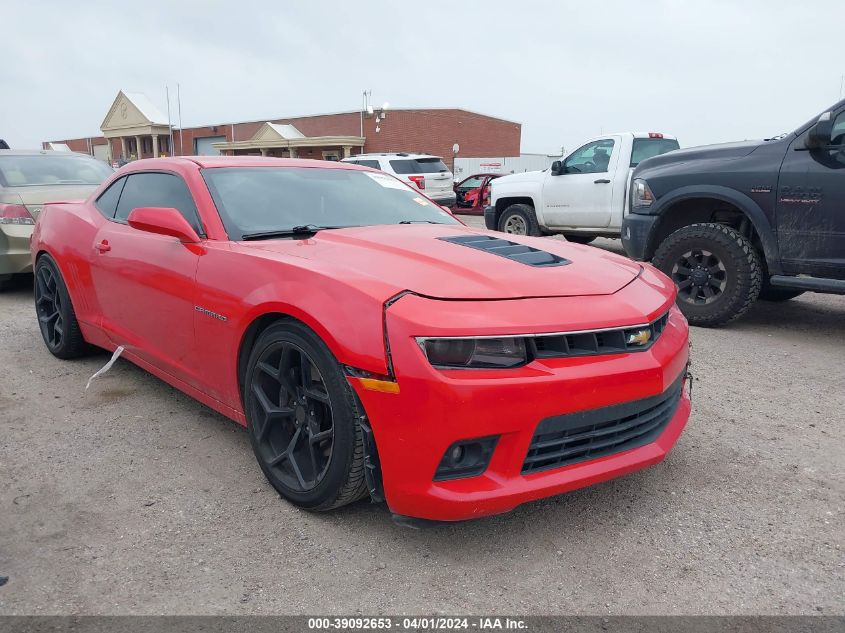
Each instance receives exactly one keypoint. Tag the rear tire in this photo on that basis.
(56, 316)
(716, 269)
(579, 238)
(519, 219)
(303, 419)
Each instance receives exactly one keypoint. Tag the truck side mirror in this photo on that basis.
(819, 135)
(558, 168)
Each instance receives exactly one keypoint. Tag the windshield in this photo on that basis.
(650, 147)
(48, 169)
(254, 200)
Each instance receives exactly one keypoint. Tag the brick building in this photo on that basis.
(135, 128)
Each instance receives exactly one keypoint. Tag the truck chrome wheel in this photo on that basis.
(515, 225)
(700, 276)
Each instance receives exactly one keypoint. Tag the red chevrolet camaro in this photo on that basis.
(370, 343)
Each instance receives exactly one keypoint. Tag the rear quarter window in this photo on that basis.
(107, 202)
(650, 147)
(418, 166)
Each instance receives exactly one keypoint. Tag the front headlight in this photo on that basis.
(474, 353)
(641, 195)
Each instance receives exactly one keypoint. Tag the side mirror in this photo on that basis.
(163, 221)
(819, 135)
(558, 168)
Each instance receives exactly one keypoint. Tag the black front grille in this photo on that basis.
(511, 250)
(613, 341)
(576, 437)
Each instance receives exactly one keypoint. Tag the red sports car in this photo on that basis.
(370, 343)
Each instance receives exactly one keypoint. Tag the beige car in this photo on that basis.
(28, 179)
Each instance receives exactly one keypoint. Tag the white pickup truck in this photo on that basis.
(584, 195)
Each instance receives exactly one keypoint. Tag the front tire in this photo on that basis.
(519, 219)
(580, 238)
(56, 317)
(716, 269)
(302, 419)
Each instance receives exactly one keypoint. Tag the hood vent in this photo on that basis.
(511, 250)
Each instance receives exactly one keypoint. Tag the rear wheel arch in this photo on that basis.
(716, 205)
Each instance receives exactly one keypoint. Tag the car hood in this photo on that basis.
(526, 176)
(720, 151)
(415, 258)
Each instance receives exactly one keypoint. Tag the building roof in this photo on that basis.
(146, 107)
(286, 131)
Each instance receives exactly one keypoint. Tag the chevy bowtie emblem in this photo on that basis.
(638, 337)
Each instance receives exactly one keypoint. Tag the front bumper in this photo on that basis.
(636, 234)
(445, 199)
(435, 408)
(490, 217)
(14, 249)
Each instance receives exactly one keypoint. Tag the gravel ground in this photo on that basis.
(133, 498)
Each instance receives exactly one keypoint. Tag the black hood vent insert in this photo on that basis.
(511, 250)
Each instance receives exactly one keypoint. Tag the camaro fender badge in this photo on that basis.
(215, 315)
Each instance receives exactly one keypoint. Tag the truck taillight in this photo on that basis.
(655, 135)
(419, 181)
(15, 214)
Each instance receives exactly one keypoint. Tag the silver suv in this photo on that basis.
(428, 173)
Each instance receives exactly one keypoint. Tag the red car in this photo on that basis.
(370, 343)
(473, 194)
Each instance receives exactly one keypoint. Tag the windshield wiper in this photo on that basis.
(304, 229)
(419, 222)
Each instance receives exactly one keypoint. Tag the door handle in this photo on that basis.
(103, 247)
(602, 181)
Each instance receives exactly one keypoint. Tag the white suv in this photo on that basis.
(427, 173)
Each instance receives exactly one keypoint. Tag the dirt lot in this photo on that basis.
(133, 498)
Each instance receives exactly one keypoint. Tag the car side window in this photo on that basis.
(370, 163)
(472, 183)
(107, 202)
(592, 158)
(153, 189)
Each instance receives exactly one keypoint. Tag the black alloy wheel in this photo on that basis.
(48, 305)
(294, 427)
(56, 317)
(302, 418)
(700, 276)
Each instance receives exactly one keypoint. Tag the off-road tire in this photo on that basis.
(70, 344)
(580, 238)
(344, 480)
(520, 211)
(742, 270)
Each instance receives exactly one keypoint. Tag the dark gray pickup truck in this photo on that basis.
(734, 222)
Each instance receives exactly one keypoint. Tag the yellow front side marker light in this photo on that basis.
(384, 386)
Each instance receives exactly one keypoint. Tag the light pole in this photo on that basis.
(368, 111)
(366, 95)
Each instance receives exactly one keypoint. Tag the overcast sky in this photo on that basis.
(706, 71)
